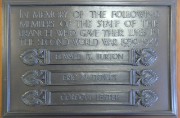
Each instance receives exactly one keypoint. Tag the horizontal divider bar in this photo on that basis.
(145, 98)
(57, 78)
(145, 56)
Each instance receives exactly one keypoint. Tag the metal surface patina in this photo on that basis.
(89, 58)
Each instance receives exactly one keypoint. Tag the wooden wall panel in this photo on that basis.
(1, 57)
(178, 54)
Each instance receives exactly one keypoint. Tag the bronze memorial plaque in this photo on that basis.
(86, 57)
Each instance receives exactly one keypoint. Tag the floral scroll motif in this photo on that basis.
(146, 98)
(35, 57)
(145, 77)
(36, 77)
(146, 57)
(35, 97)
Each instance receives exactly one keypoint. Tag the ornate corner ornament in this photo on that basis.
(144, 77)
(145, 56)
(36, 77)
(36, 97)
(145, 98)
(35, 56)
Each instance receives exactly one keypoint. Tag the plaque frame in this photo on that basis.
(6, 49)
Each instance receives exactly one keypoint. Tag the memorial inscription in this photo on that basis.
(116, 27)
(94, 29)
(90, 58)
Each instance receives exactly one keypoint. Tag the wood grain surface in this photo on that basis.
(178, 54)
(178, 59)
(1, 29)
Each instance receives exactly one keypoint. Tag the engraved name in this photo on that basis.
(89, 56)
(91, 77)
(86, 97)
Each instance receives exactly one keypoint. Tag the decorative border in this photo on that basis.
(6, 45)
